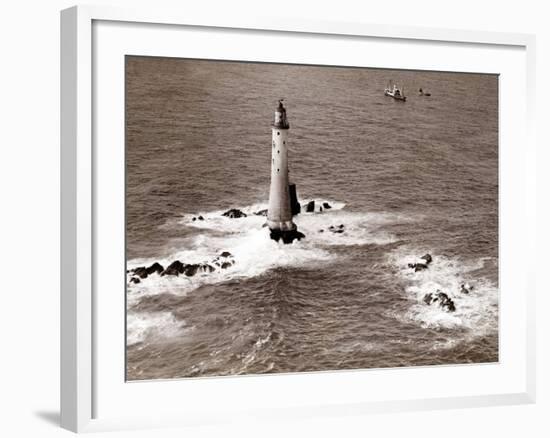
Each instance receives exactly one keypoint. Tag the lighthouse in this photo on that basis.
(279, 212)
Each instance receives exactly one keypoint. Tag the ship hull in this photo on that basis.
(390, 94)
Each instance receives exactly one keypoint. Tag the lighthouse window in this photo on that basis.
(277, 170)
(284, 142)
(278, 151)
(278, 133)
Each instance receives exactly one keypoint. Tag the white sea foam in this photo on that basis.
(252, 249)
(254, 252)
(254, 351)
(476, 312)
(214, 220)
(359, 228)
(141, 326)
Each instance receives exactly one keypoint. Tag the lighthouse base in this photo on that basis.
(287, 236)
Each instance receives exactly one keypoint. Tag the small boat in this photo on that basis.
(395, 92)
(421, 92)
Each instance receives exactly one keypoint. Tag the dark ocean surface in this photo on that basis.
(404, 179)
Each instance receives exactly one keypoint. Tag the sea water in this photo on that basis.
(404, 178)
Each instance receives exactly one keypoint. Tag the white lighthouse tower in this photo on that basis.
(279, 212)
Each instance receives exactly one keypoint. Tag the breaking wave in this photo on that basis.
(361, 228)
(141, 326)
(476, 312)
(253, 251)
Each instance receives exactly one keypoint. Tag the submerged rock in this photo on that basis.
(444, 301)
(176, 268)
(135, 280)
(194, 268)
(466, 288)
(428, 298)
(234, 213)
(448, 305)
(337, 230)
(190, 270)
(427, 257)
(223, 261)
(418, 266)
(208, 268)
(261, 212)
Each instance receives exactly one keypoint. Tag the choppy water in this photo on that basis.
(404, 178)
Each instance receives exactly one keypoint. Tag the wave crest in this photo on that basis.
(254, 252)
(476, 312)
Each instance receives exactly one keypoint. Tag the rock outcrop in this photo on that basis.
(224, 260)
(295, 206)
(337, 229)
(427, 258)
(441, 298)
(177, 268)
(144, 272)
(234, 213)
(286, 236)
(418, 266)
(320, 206)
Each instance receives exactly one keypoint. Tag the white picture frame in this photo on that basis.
(82, 372)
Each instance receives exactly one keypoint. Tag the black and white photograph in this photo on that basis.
(275, 219)
(297, 218)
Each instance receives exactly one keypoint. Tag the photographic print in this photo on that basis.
(297, 218)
